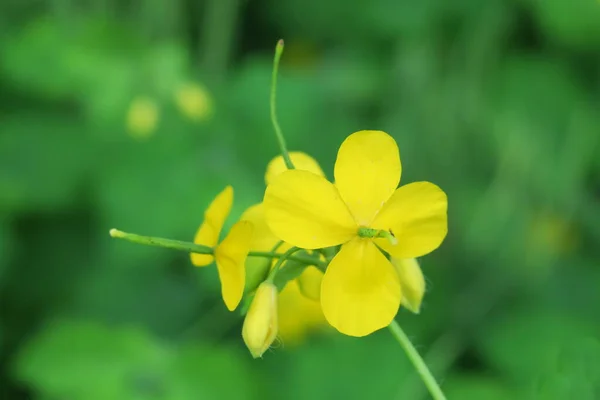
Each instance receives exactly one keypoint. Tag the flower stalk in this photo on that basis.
(190, 247)
(282, 145)
(417, 361)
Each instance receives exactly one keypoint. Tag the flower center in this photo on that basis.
(372, 233)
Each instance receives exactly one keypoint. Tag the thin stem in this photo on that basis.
(161, 242)
(278, 133)
(417, 361)
(302, 258)
(201, 249)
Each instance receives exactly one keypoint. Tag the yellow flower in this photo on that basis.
(229, 255)
(194, 101)
(260, 325)
(363, 210)
(299, 311)
(142, 117)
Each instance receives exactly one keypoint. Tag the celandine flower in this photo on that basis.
(299, 311)
(363, 210)
(229, 255)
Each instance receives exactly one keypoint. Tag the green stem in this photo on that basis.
(281, 260)
(201, 249)
(161, 242)
(302, 258)
(284, 152)
(417, 361)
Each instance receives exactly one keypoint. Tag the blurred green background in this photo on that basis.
(133, 114)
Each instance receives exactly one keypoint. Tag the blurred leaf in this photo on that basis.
(577, 373)
(473, 387)
(200, 372)
(573, 23)
(344, 367)
(89, 361)
(526, 343)
(35, 59)
(79, 360)
(43, 160)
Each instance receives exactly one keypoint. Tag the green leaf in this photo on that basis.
(81, 360)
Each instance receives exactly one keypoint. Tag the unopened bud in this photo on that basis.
(260, 326)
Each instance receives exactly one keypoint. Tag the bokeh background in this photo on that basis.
(133, 114)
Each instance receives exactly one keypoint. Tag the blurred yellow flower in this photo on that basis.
(363, 210)
(142, 117)
(194, 101)
(229, 255)
(298, 315)
(260, 325)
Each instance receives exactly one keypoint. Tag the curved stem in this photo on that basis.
(278, 133)
(417, 361)
(286, 256)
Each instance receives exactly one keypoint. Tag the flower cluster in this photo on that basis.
(346, 249)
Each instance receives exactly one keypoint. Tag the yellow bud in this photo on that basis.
(142, 117)
(260, 326)
(412, 281)
(194, 101)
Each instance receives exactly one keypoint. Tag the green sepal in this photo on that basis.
(246, 302)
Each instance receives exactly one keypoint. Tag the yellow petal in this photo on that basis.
(209, 231)
(301, 161)
(260, 325)
(360, 292)
(309, 282)
(262, 240)
(417, 216)
(367, 171)
(412, 281)
(231, 257)
(306, 210)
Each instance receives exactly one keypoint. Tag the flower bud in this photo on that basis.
(260, 326)
(412, 281)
